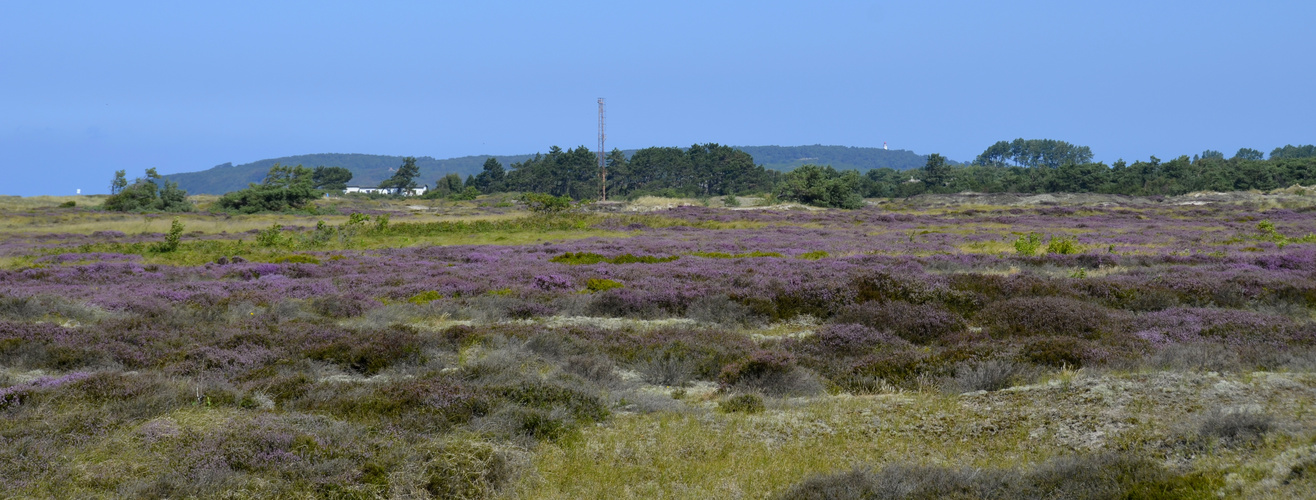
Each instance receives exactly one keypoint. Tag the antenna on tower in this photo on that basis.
(603, 165)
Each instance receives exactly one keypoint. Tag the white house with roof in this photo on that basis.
(378, 190)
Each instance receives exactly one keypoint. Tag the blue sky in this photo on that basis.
(87, 88)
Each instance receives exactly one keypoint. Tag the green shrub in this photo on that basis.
(470, 193)
(1062, 246)
(68, 204)
(814, 255)
(730, 200)
(599, 284)
(271, 236)
(172, 239)
(545, 203)
(467, 470)
(284, 188)
(1028, 244)
(425, 297)
(821, 186)
(585, 258)
(744, 403)
(723, 255)
(296, 259)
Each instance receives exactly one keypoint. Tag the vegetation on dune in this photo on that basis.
(151, 193)
(284, 188)
(1154, 351)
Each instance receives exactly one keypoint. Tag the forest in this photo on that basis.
(1021, 166)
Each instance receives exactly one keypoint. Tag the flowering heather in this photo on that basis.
(389, 360)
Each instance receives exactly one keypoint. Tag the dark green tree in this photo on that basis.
(1249, 154)
(404, 179)
(936, 173)
(120, 181)
(490, 179)
(331, 178)
(821, 186)
(1291, 151)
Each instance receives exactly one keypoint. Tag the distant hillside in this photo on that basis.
(369, 170)
(785, 158)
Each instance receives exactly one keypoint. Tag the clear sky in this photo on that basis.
(87, 88)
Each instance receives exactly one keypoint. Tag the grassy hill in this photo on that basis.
(369, 170)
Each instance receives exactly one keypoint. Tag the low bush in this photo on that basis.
(1047, 316)
(601, 284)
(757, 365)
(1062, 246)
(1079, 477)
(1028, 244)
(990, 375)
(746, 255)
(365, 352)
(668, 368)
(466, 469)
(584, 258)
(744, 403)
(1055, 352)
(721, 309)
(1235, 426)
(921, 323)
(814, 255)
(845, 339)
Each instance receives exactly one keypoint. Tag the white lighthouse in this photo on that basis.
(884, 146)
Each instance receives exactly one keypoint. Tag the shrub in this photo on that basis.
(1203, 356)
(464, 469)
(1055, 351)
(1028, 244)
(814, 255)
(992, 375)
(1030, 316)
(68, 204)
(601, 284)
(366, 352)
(148, 195)
(729, 200)
(172, 239)
(759, 364)
(297, 259)
(723, 255)
(845, 339)
(667, 368)
(920, 323)
(425, 297)
(1062, 246)
(284, 188)
(1236, 425)
(597, 369)
(744, 403)
(1086, 477)
(721, 309)
(821, 186)
(545, 203)
(584, 258)
(271, 236)
(896, 366)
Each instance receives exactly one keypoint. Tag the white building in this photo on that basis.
(378, 190)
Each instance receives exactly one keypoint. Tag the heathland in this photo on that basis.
(963, 346)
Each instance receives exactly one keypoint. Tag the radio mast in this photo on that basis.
(603, 165)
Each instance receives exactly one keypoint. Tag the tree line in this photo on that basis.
(707, 170)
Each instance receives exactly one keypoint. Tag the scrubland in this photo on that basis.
(911, 349)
